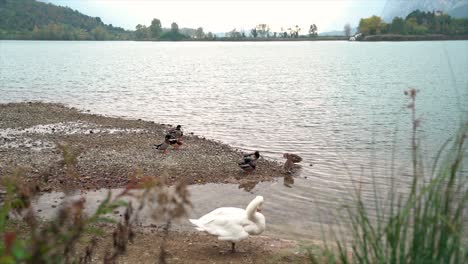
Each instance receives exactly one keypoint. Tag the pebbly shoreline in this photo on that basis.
(109, 151)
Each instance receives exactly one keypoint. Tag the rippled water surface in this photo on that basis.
(340, 105)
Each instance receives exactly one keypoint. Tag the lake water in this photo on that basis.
(340, 105)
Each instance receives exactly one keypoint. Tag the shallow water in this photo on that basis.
(280, 209)
(340, 105)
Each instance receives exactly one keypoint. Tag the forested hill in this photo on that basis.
(30, 19)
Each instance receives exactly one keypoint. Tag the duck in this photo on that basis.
(168, 140)
(233, 224)
(290, 160)
(177, 134)
(249, 161)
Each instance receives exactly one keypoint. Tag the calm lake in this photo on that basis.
(340, 105)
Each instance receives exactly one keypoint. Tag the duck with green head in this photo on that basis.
(249, 162)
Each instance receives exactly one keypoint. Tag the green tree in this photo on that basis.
(155, 28)
(415, 28)
(100, 33)
(443, 24)
(254, 32)
(209, 35)
(234, 34)
(174, 27)
(398, 26)
(141, 32)
(199, 34)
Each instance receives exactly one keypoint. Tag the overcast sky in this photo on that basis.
(225, 15)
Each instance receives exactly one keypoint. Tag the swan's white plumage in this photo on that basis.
(233, 224)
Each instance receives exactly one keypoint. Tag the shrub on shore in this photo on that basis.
(27, 239)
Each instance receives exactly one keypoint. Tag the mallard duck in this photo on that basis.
(233, 224)
(290, 160)
(249, 161)
(168, 140)
(177, 134)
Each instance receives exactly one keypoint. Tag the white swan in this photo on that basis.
(233, 224)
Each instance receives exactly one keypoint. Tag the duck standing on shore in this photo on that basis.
(249, 161)
(168, 140)
(233, 224)
(177, 134)
(291, 159)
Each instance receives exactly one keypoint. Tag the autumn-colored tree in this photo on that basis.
(263, 30)
(371, 25)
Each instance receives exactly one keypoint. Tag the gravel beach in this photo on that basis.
(108, 151)
(59, 148)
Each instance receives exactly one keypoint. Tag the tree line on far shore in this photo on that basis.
(416, 23)
(30, 19)
(156, 32)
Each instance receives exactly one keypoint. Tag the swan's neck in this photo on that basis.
(251, 209)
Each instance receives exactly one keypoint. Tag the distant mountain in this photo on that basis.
(459, 11)
(30, 19)
(394, 8)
